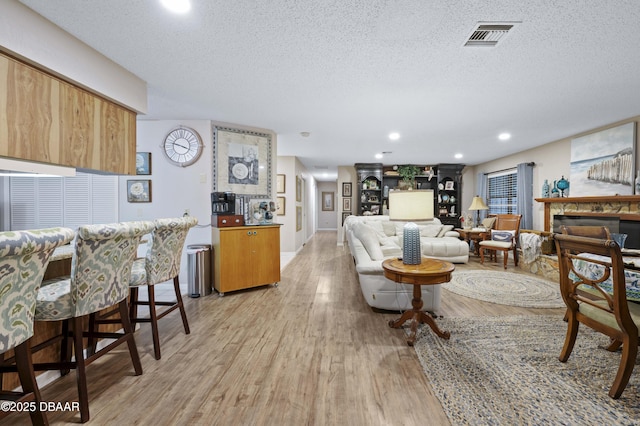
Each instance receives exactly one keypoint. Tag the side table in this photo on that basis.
(468, 235)
(428, 272)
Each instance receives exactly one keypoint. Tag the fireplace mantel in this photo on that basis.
(626, 207)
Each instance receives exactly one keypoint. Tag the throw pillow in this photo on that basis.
(502, 236)
(429, 230)
(389, 228)
(444, 230)
(369, 239)
(488, 222)
(377, 226)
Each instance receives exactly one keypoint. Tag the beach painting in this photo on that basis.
(602, 163)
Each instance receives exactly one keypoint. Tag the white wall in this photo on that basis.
(552, 161)
(327, 220)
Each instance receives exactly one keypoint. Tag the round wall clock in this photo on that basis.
(182, 146)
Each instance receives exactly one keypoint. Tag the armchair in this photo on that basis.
(503, 237)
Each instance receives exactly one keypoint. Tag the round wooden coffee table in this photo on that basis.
(428, 272)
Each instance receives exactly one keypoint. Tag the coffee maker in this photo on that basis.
(223, 210)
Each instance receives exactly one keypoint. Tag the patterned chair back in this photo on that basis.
(165, 251)
(24, 256)
(101, 265)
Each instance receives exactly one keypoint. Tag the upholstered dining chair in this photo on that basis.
(585, 264)
(503, 237)
(24, 256)
(160, 264)
(100, 274)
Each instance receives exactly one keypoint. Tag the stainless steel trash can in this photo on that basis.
(199, 268)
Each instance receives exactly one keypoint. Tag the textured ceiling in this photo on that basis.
(349, 72)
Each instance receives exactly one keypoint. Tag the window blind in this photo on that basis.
(502, 192)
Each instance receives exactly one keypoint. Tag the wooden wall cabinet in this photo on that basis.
(245, 257)
(46, 119)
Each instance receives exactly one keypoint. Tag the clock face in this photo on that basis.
(182, 146)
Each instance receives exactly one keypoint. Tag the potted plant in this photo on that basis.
(408, 174)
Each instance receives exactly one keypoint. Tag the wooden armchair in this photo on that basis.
(585, 264)
(503, 237)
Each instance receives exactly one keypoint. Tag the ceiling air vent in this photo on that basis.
(488, 34)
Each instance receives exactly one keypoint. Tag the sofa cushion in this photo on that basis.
(376, 225)
(367, 236)
(444, 230)
(389, 228)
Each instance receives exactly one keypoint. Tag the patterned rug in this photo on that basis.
(505, 371)
(506, 288)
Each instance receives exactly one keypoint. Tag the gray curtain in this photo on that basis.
(481, 182)
(525, 194)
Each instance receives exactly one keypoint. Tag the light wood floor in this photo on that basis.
(307, 352)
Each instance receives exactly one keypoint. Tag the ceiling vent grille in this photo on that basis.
(488, 34)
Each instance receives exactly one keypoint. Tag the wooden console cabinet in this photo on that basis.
(245, 257)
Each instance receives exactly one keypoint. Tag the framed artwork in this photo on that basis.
(344, 216)
(281, 206)
(346, 204)
(298, 218)
(143, 163)
(327, 201)
(280, 184)
(139, 191)
(448, 185)
(242, 162)
(602, 163)
(346, 189)
(298, 188)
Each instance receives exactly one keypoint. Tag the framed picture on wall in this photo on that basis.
(298, 218)
(280, 209)
(139, 191)
(281, 184)
(327, 201)
(346, 204)
(346, 189)
(344, 216)
(143, 163)
(298, 188)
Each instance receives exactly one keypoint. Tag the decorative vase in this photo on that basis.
(563, 185)
(554, 192)
(545, 189)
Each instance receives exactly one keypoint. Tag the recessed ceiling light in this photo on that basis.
(305, 134)
(394, 136)
(504, 136)
(379, 156)
(458, 155)
(177, 6)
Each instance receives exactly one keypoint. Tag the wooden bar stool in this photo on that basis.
(161, 264)
(24, 256)
(100, 274)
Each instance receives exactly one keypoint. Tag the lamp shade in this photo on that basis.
(478, 204)
(411, 205)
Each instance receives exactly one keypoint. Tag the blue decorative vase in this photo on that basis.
(545, 189)
(411, 245)
(554, 191)
(563, 185)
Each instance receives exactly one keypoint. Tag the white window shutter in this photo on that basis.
(104, 199)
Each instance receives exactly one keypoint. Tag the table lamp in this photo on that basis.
(478, 204)
(409, 206)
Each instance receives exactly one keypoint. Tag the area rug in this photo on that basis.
(505, 371)
(506, 288)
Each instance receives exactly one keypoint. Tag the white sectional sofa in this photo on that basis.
(372, 239)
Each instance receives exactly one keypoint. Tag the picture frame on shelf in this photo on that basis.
(143, 163)
(327, 201)
(449, 185)
(346, 204)
(139, 191)
(242, 162)
(346, 189)
(280, 209)
(281, 184)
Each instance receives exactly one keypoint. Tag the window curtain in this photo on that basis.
(482, 192)
(525, 194)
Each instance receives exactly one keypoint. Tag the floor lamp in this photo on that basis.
(478, 204)
(409, 206)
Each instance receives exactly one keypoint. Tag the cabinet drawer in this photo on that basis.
(227, 220)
